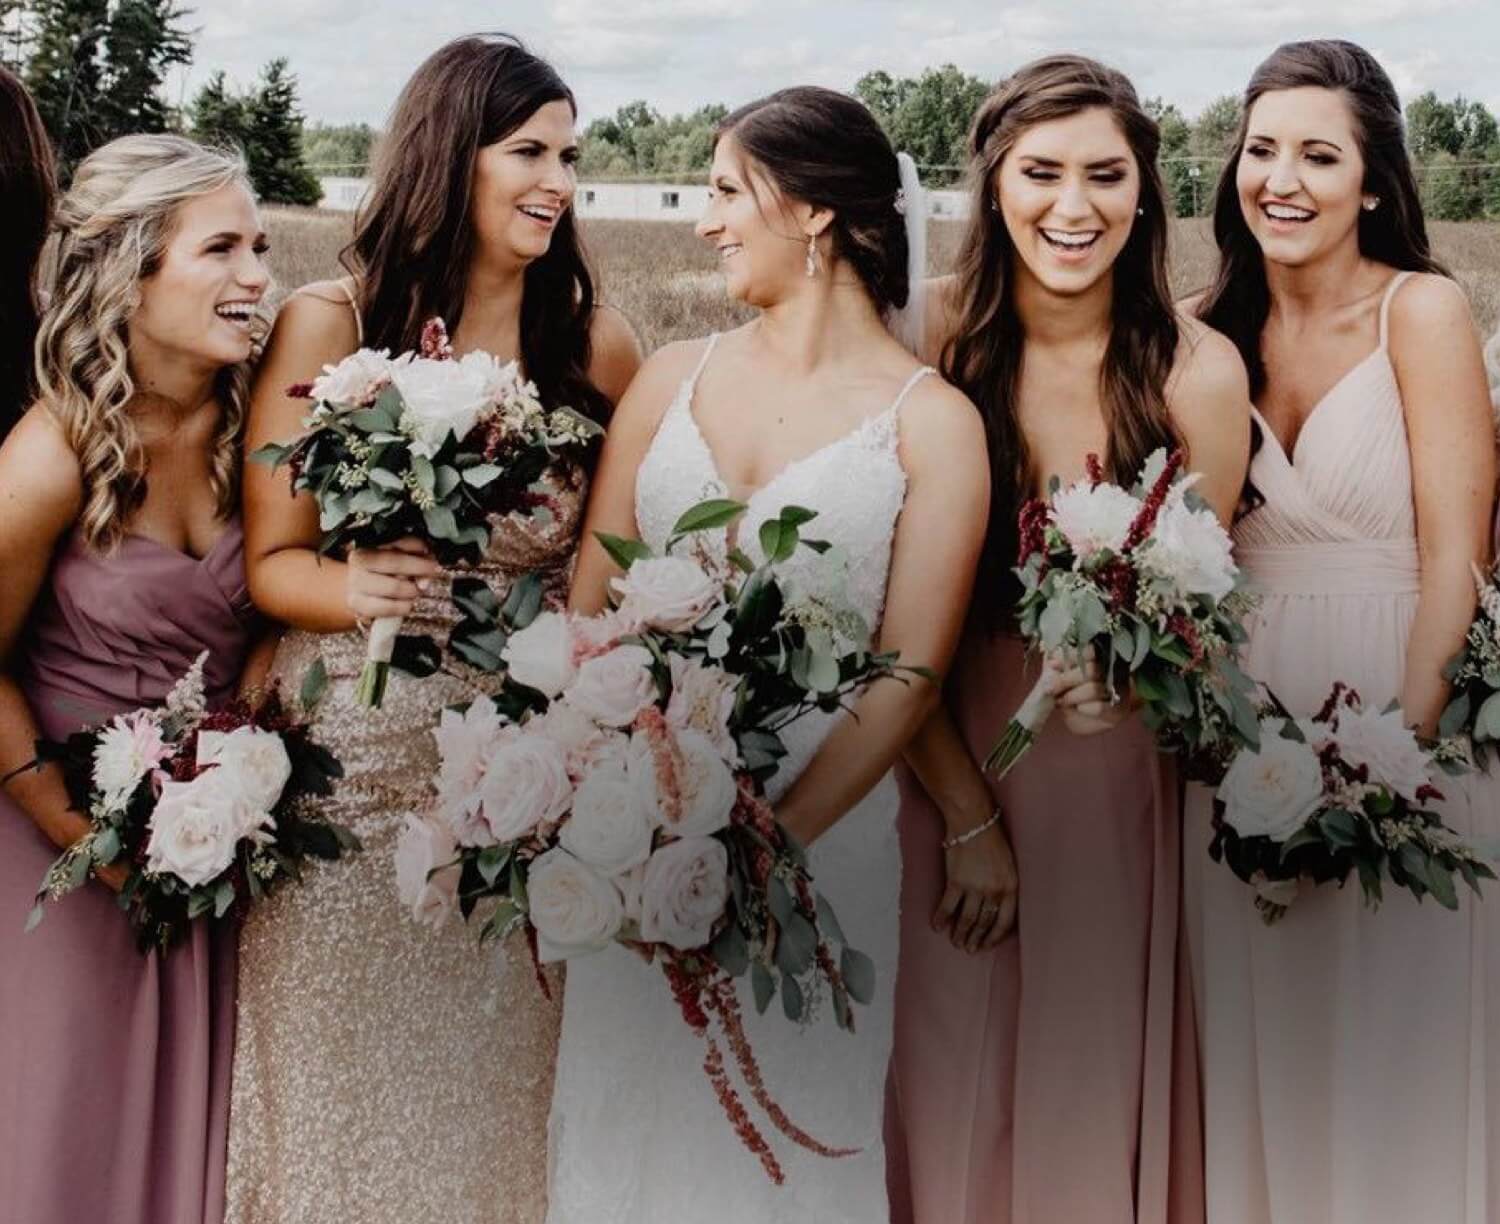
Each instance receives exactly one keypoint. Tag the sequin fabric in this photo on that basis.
(386, 1071)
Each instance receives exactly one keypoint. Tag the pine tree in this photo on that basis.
(273, 140)
(145, 40)
(66, 74)
(218, 115)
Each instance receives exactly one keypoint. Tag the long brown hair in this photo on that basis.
(983, 358)
(1394, 233)
(414, 237)
(825, 149)
(28, 187)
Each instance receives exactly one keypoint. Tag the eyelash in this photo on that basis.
(1107, 179)
(570, 158)
(1318, 159)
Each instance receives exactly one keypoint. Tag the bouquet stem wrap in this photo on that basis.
(370, 690)
(1023, 728)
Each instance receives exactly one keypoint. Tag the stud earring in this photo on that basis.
(812, 255)
(1140, 212)
(1372, 204)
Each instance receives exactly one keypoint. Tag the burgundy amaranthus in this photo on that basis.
(1146, 519)
(435, 343)
(1033, 520)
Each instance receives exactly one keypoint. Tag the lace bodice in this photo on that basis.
(855, 483)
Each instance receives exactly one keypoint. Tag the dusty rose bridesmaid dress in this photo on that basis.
(114, 1067)
(1054, 1078)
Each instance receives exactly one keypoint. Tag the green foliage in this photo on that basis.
(638, 140)
(338, 149)
(1457, 149)
(265, 124)
(928, 116)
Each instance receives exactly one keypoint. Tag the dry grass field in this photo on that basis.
(666, 280)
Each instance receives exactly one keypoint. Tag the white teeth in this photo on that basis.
(239, 312)
(726, 251)
(1065, 238)
(1286, 212)
(539, 212)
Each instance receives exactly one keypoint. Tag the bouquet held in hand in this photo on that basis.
(200, 807)
(1473, 711)
(1144, 579)
(425, 445)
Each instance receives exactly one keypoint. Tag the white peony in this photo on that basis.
(667, 593)
(608, 828)
(355, 381)
(1272, 793)
(1190, 549)
(541, 656)
(427, 874)
(440, 397)
(704, 784)
(703, 700)
(465, 741)
(1386, 746)
(498, 380)
(195, 827)
(614, 687)
(573, 908)
(684, 892)
(1094, 518)
(129, 748)
(584, 742)
(258, 758)
(526, 785)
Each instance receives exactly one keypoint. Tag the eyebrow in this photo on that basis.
(540, 143)
(1316, 140)
(1107, 163)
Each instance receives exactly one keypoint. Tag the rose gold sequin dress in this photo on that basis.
(385, 1071)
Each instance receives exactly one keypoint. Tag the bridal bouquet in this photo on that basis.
(201, 807)
(1144, 579)
(1474, 672)
(611, 792)
(424, 445)
(1345, 791)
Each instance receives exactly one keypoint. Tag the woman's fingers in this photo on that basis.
(942, 917)
(1091, 692)
(393, 562)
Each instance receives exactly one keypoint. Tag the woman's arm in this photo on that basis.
(1435, 351)
(612, 499)
(41, 491)
(614, 353)
(935, 553)
(288, 579)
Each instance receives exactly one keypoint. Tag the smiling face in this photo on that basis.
(1067, 191)
(1301, 174)
(524, 182)
(761, 246)
(198, 303)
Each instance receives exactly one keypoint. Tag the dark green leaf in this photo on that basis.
(708, 516)
(792, 1003)
(441, 524)
(622, 551)
(417, 655)
(314, 684)
(858, 972)
(762, 986)
(731, 952)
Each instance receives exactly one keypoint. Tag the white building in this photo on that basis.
(632, 201)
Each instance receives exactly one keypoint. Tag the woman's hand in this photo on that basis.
(387, 581)
(978, 906)
(1084, 700)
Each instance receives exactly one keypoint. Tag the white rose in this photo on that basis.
(540, 656)
(702, 700)
(1272, 793)
(423, 846)
(465, 741)
(355, 381)
(525, 785)
(704, 783)
(1094, 519)
(600, 633)
(1191, 550)
(195, 827)
(584, 742)
(668, 593)
(573, 908)
(614, 687)
(259, 760)
(684, 892)
(1384, 745)
(440, 397)
(608, 827)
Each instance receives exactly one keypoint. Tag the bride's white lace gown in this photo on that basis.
(638, 1136)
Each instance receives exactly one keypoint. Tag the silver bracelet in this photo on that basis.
(961, 839)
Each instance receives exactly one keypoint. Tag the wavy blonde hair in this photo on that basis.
(113, 227)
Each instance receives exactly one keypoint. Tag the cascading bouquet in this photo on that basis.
(424, 445)
(611, 791)
(201, 807)
(1474, 710)
(1146, 580)
(1347, 791)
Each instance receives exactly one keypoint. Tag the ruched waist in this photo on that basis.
(1348, 567)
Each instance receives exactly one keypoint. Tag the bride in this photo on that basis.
(814, 404)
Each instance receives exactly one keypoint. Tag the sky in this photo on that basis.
(352, 56)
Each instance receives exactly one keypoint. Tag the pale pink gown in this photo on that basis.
(1350, 1060)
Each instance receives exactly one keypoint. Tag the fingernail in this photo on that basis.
(424, 585)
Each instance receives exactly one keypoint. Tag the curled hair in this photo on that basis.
(414, 235)
(983, 357)
(114, 225)
(28, 187)
(824, 148)
(1395, 233)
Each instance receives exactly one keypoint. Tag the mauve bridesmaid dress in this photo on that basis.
(114, 1067)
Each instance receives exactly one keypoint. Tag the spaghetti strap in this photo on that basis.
(344, 288)
(703, 360)
(1385, 304)
(917, 376)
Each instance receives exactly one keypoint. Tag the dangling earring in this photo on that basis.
(812, 255)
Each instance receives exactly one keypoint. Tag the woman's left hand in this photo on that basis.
(1084, 700)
